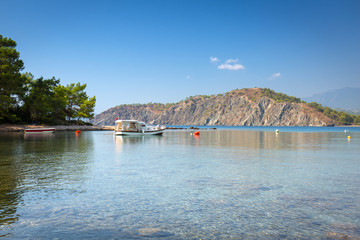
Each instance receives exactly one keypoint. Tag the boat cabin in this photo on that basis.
(136, 128)
(129, 126)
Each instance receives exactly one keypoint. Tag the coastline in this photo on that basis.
(21, 128)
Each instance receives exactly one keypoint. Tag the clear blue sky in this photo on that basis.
(164, 51)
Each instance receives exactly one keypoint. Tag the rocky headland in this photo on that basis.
(244, 107)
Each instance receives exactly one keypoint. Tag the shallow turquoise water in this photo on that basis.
(240, 183)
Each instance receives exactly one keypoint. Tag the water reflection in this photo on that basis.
(221, 184)
(9, 195)
(255, 139)
(128, 140)
(39, 164)
(38, 136)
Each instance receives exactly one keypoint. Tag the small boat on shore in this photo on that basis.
(136, 128)
(39, 130)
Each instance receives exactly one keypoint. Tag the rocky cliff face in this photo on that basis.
(246, 107)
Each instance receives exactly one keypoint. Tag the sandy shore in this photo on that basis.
(20, 128)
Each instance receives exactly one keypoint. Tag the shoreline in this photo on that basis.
(21, 128)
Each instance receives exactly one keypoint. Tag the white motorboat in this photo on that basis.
(39, 130)
(136, 128)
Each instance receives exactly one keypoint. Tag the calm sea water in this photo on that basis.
(229, 183)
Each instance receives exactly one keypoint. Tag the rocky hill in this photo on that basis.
(245, 107)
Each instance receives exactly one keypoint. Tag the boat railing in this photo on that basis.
(154, 128)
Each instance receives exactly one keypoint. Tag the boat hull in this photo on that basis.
(146, 133)
(39, 130)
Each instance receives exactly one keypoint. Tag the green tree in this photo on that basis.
(79, 105)
(87, 108)
(22, 98)
(345, 118)
(60, 103)
(357, 119)
(40, 101)
(11, 81)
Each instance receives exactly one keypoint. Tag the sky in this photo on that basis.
(132, 51)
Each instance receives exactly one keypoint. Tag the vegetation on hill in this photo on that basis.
(244, 107)
(24, 99)
(154, 106)
(280, 97)
(342, 118)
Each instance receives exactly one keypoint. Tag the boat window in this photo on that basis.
(132, 126)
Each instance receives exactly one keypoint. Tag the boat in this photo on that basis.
(136, 128)
(39, 130)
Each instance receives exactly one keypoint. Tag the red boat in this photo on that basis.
(39, 130)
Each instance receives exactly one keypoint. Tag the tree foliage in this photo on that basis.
(11, 81)
(341, 118)
(79, 105)
(40, 102)
(25, 99)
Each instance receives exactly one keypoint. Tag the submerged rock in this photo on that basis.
(154, 233)
(338, 236)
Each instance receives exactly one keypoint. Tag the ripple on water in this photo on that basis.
(226, 185)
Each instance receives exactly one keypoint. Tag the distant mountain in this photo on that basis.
(346, 99)
(245, 107)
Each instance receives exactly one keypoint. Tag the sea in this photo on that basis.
(226, 183)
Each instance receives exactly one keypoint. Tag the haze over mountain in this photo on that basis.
(344, 98)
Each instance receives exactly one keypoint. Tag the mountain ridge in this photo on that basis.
(244, 107)
(347, 99)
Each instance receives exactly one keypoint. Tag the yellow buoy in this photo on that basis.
(349, 137)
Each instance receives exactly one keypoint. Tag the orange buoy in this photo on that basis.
(197, 133)
(78, 131)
